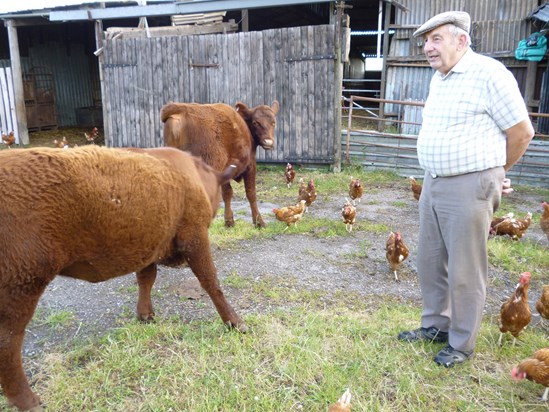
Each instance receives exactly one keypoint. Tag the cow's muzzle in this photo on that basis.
(267, 144)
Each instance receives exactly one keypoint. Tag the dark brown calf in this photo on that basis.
(124, 211)
(222, 135)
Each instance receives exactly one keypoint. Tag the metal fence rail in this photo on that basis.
(382, 134)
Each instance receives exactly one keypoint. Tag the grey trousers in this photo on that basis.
(454, 219)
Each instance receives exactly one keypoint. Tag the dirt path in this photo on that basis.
(353, 264)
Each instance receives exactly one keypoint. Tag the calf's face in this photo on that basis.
(261, 121)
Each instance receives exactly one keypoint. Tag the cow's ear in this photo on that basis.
(241, 107)
(275, 107)
(243, 110)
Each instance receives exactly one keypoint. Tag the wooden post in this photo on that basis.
(17, 74)
(530, 87)
(383, 82)
(338, 80)
(245, 20)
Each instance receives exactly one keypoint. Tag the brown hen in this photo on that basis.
(536, 369)
(508, 225)
(416, 187)
(61, 144)
(290, 214)
(8, 139)
(307, 193)
(515, 313)
(542, 304)
(396, 251)
(348, 213)
(355, 190)
(343, 404)
(289, 174)
(92, 135)
(544, 220)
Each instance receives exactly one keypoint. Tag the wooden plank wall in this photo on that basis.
(8, 118)
(295, 66)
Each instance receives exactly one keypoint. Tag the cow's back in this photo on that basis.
(215, 132)
(116, 209)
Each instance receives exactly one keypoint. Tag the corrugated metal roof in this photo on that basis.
(14, 6)
(541, 13)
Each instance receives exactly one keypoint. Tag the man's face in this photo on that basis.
(442, 49)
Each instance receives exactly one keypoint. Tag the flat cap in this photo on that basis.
(460, 19)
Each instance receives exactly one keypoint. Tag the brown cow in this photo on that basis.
(123, 211)
(222, 135)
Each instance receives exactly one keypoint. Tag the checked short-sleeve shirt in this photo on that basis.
(465, 117)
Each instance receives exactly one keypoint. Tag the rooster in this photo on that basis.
(90, 137)
(544, 220)
(416, 187)
(515, 313)
(396, 251)
(536, 369)
(61, 144)
(355, 190)
(290, 214)
(348, 213)
(8, 139)
(509, 225)
(307, 192)
(289, 174)
(343, 404)
(542, 304)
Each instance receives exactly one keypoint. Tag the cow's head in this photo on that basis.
(261, 121)
(212, 180)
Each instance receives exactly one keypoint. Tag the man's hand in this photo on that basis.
(506, 187)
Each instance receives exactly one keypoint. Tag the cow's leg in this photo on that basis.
(197, 252)
(249, 185)
(227, 192)
(145, 280)
(16, 311)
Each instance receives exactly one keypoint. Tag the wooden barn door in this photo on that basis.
(294, 66)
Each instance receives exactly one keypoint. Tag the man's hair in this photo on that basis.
(457, 31)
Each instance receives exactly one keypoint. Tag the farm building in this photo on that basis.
(114, 64)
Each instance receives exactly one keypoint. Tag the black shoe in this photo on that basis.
(431, 334)
(449, 356)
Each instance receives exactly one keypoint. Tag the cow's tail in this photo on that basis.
(173, 133)
(168, 110)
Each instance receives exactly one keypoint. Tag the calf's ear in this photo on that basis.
(275, 107)
(241, 107)
(227, 174)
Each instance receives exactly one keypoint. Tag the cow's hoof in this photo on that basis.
(146, 318)
(229, 223)
(239, 327)
(260, 224)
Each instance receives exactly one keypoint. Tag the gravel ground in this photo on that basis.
(354, 263)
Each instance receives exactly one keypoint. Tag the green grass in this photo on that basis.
(298, 358)
(303, 349)
(519, 256)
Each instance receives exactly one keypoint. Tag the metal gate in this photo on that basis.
(389, 141)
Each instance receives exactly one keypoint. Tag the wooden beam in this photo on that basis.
(17, 74)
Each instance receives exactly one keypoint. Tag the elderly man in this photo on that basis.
(475, 127)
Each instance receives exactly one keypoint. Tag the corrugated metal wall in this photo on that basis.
(75, 75)
(497, 26)
(420, 11)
